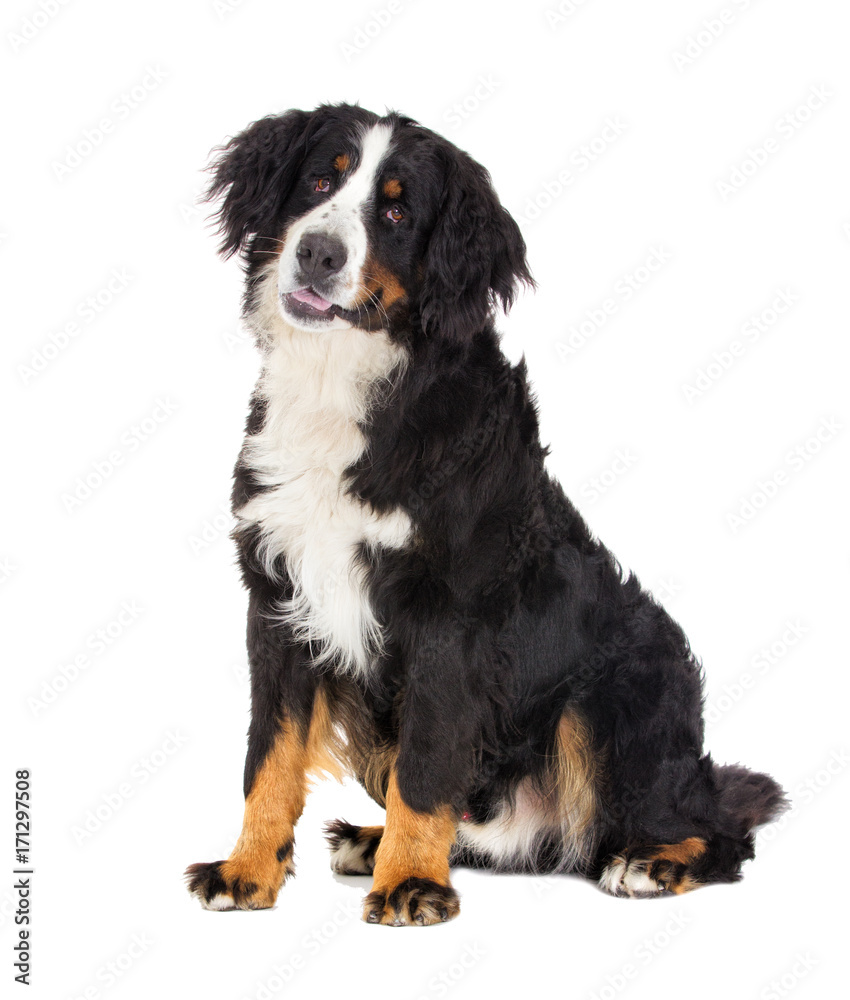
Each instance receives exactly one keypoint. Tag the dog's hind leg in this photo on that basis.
(743, 800)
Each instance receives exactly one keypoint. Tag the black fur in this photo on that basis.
(206, 879)
(507, 611)
(475, 255)
(284, 850)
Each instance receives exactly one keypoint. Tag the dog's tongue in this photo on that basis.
(310, 297)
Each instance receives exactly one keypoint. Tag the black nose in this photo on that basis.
(320, 256)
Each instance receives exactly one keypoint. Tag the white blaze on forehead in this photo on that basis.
(360, 185)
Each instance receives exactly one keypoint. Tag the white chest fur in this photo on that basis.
(316, 387)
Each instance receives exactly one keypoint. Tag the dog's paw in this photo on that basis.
(225, 885)
(352, 847)
(415, 902)
(623, 877)
(656, 871)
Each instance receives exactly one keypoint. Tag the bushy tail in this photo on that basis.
(747, 798)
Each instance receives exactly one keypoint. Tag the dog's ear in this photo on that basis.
(475, 257)
(255, 171)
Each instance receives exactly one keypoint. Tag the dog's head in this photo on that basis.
(346, 218)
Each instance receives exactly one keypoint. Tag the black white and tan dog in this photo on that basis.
(428, 611)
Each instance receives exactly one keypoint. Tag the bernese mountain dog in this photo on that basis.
(428, 611)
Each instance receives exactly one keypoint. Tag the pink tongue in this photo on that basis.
(316, 301)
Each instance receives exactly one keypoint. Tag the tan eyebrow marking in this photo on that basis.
(342, 162)
(392, 188)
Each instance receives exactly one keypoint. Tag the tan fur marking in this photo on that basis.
(686, 884)
(377, 773)
(358, 746)
(413, 843)
(576, 773)
(276, 801)
(392, 188)
(377, 278)
(682, 853)
(272, 808)
(326, 754)
(368, 832)
(342, 162)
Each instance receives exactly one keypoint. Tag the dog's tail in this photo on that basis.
(747, 798)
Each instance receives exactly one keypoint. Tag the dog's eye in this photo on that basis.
(395, 214)
(323, 184)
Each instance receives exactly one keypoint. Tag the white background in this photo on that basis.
(152, 531)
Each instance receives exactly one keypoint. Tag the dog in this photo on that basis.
(428, 611)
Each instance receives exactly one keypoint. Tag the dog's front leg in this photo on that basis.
(288, 720)
(412, 885)
(427, 783)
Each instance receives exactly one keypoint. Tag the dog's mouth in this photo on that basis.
(308, 304)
